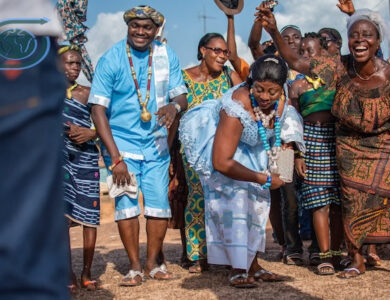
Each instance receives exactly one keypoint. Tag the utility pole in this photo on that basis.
(204, 17)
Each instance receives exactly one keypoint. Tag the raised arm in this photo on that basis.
(231, 44)
(346, 6)
(254, 40)
(294, 61)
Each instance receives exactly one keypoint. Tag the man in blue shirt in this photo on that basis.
(137, 93)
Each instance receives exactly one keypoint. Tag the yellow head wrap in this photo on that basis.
(64, 49)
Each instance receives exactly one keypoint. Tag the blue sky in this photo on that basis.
(184, 28)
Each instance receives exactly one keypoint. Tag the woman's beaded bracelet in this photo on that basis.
(268, 183)
(115, 163)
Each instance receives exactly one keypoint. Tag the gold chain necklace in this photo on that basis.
(146, 116)
(361, 77)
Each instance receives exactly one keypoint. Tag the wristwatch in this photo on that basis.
(177, 106)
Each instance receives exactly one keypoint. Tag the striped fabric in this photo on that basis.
(321, 184)
(81, 178)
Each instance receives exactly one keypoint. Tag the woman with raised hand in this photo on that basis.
(207, 81)
(234, 144)
(362, 109)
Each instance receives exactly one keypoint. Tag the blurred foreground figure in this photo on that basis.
(33, 241)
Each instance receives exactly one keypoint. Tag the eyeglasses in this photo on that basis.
(218, 51)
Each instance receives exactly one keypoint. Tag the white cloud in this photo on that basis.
(190, 65)
(243, 50)
(108, 30)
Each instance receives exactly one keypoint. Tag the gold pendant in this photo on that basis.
(145, 115)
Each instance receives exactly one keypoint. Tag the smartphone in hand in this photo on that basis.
(271, 4)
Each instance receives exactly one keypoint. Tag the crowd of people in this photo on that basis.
(218, 140)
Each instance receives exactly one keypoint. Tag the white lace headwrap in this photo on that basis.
(373, 17)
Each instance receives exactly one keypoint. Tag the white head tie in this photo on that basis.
(372, 17)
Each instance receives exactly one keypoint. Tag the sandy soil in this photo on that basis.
(111, 264)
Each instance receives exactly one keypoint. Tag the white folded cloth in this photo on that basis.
(128, 189)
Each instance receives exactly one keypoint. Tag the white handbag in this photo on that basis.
(285, 164)
(128, 189)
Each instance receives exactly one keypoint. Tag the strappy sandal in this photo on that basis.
(129, 279)
(73, 286)
(90, 285)
(243, 284)
(259, 275)
(72, 289)
(314, 259)
(294, 259)
(349, 273)
(373, 260)
(345, 262)
(340, 262)
(195, 268)
(162, 269)
(326, 259)
(198, 266)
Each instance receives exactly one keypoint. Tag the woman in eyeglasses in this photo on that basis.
(207, 81)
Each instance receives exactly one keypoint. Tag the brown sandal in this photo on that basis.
(243, 284)
(294, 259)
(373, 260)
(350, 273)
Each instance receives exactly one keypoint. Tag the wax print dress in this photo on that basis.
(236, 212)
(362, 151)
(194, 212)
(81, 170)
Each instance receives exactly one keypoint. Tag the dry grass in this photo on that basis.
(111, 264)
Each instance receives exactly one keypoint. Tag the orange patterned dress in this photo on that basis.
(363, 152)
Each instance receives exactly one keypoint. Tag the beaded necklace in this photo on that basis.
(145, 114)
(69, 91)
(262, 122)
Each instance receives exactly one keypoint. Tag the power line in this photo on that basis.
(204, 17)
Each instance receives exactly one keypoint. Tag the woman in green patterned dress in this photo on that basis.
(206, 81)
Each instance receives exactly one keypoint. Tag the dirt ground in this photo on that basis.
(111, 264)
